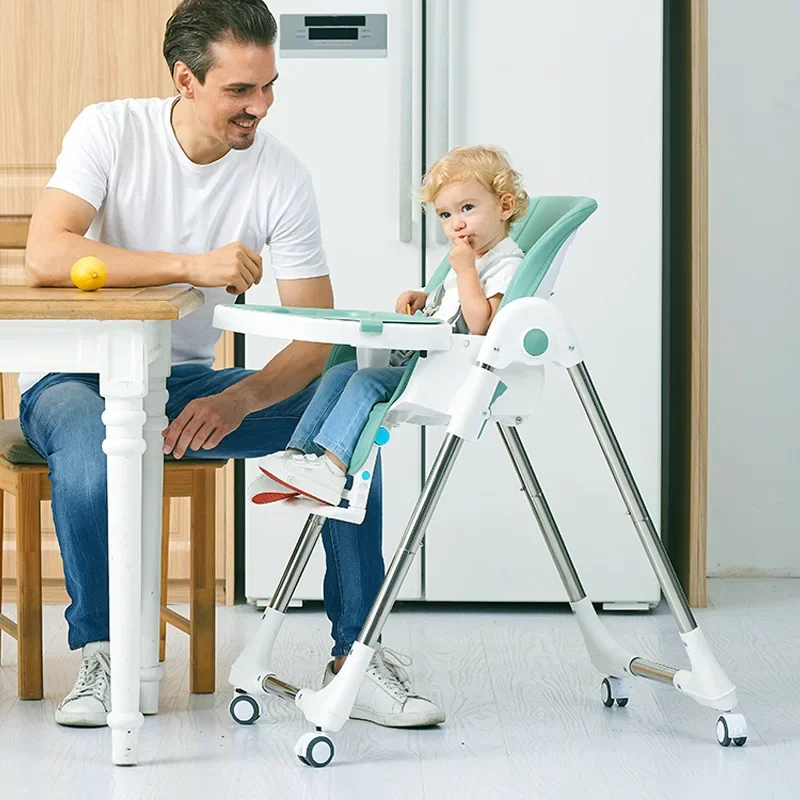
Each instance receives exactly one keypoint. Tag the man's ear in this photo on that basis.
(507, 205)
(184, 79)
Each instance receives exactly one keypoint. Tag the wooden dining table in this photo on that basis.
(124, 336)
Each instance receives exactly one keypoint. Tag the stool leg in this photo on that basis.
(29, 589)
(162, 630)
(202, 621)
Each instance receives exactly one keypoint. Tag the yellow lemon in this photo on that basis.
(88, 273)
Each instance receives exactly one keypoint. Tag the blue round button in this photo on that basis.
(382, 436)
(365, 476)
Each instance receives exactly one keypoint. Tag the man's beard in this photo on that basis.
(238, 144)
(244, 144)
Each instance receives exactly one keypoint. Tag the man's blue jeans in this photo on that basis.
(60, 417)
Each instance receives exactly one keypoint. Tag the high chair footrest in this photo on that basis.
(309, 506)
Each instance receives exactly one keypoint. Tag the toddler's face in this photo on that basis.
(468, 211)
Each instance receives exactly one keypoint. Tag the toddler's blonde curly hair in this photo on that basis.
(485, 164)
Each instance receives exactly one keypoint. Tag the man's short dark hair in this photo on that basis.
(196, 24)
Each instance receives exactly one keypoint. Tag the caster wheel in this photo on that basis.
(244, 709)
(614, 690)
(731, 728)
(722, 732)
(314, 749)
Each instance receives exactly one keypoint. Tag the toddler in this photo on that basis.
(476, 195)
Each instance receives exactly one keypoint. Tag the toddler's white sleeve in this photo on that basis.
(84, 163)
(501, 276)
(295, 237)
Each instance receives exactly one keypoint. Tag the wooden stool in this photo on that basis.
(23, 473)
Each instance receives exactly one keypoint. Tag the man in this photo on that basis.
(189, 189)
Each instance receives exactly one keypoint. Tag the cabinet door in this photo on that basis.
(342, 118)
(573, 91)
(56, 57)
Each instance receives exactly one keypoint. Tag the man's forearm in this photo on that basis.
(288, 373)
(49, 264)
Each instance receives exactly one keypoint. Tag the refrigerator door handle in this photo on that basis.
(405, 89)
(439, 26)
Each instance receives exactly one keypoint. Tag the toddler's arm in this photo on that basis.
(478, 310)
(410, 302)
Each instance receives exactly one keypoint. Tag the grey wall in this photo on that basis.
(754, 287)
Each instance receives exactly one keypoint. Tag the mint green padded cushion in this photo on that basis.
(361, 453)
(342, 353)
(338, 355)
(540, 234)
(13, 446)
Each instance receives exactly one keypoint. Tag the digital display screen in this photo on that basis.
(327, 34)
(333, 22)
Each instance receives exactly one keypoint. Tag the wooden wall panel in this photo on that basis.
(58, 56)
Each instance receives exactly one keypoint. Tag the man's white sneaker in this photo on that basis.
(385, 696)
(265, 490)
(89, 702)
(310, 475)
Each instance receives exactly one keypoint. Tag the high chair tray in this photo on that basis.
(368, 329)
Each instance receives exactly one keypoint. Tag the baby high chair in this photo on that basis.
(499, 378)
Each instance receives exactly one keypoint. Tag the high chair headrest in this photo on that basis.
(541, 234)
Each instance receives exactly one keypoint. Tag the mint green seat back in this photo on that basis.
(540, 234)
(547, 225)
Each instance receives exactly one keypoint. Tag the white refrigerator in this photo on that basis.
(369, 94)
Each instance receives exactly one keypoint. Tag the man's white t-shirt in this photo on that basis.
(123, 158)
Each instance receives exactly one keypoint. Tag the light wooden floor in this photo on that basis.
(524, 714)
